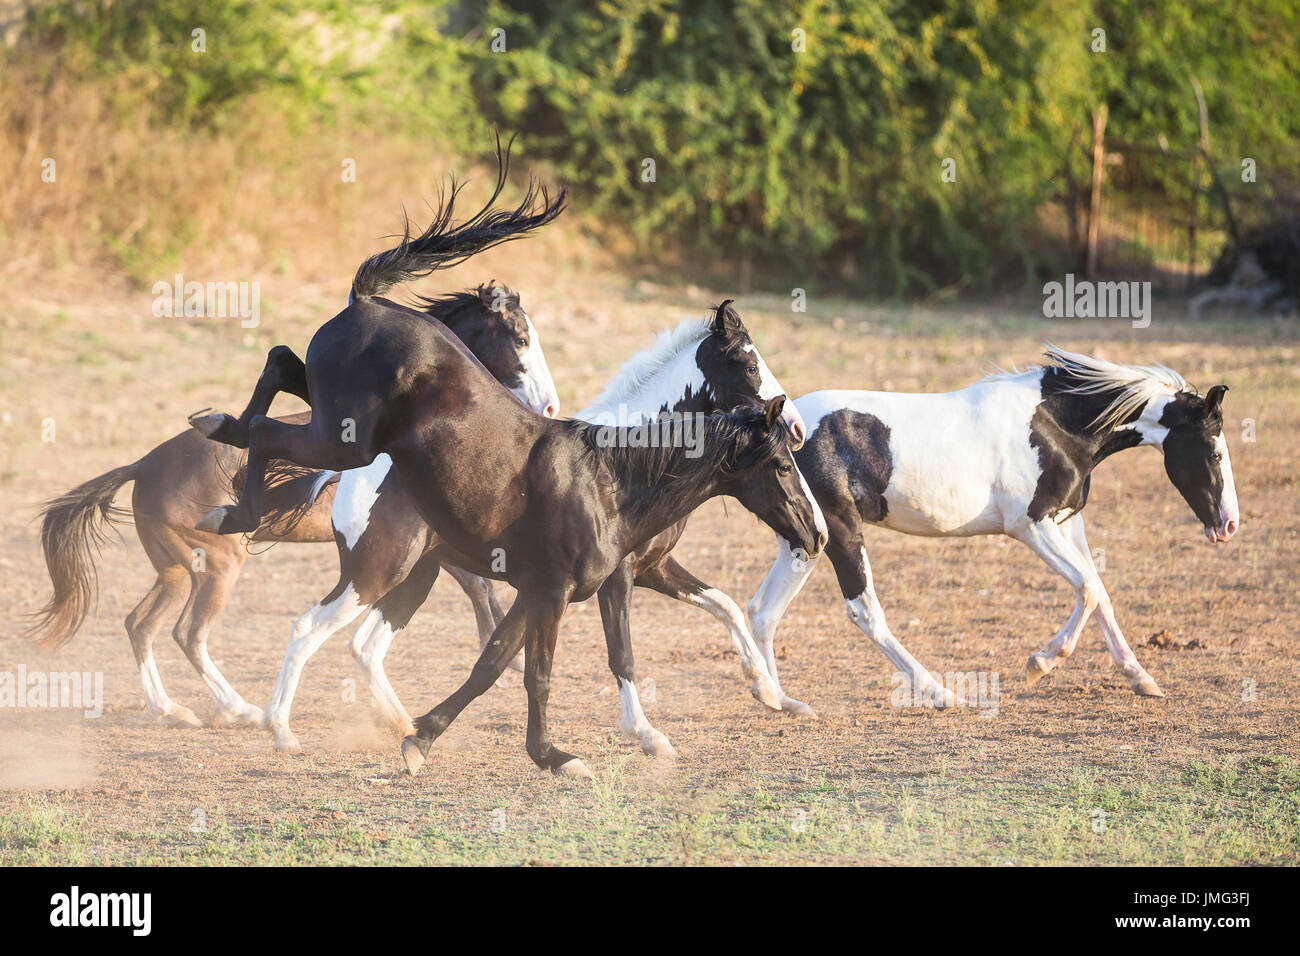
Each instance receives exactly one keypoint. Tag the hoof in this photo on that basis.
(766, 692)
(217, 426)
(654, 744)
(574, 768)
(1036, 669)
(797, 708)
(1144, 685)
(286, 742)
(181, 716)
(412, 756)
(940, 697)
(250, 716)
(223, 520)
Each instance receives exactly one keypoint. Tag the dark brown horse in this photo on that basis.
(184, 477)
(551, 507)
(700, 367)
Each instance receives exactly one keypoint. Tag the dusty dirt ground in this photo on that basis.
(1076, 769)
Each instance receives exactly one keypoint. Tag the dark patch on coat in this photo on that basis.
(847, 459)
(1060, 432)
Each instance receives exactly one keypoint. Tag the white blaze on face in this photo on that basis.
(819, 519)
(537, 390)
(1229, 515)
(769, 388)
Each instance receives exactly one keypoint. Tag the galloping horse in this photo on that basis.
(551, 507)
(700, 367)
(180, 480)
(1012, 454)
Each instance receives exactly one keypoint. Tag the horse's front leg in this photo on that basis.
(283, 372)
(545, 608)
(504, 644)
(615, 595)
(1071, 559)
(670, 578)
(1095, 600)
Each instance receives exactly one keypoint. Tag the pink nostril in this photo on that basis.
(1229, 529)
(552, 410)
(821, 541)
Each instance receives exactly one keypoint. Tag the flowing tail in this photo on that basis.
(72, 524)
(443, 245)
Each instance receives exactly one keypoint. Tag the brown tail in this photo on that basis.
(72, 525)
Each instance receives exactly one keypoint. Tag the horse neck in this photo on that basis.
(677, 384)
(650, 499)
(1074, 412)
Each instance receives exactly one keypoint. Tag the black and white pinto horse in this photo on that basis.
(386, 564)
(552, 507)
(1013, 455)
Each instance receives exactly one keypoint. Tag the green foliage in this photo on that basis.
(826, 159)
(832, 156)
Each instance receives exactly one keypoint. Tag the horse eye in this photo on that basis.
(752, 370)
(1216, 457)
(521, 343)
(784, 470)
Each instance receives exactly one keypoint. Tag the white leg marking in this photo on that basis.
(752, 662)
(634, 725)
(785, 580)
(369, 647)
(309, 632)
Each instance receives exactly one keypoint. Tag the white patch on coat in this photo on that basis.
(652, 378)
(769, 388)
(356, 496)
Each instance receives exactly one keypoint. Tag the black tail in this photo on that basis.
(443, 245)
(71, 525)
(291, 492)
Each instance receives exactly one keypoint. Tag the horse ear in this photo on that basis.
(772, 414)
(1214, 401)
(487, 294)
(719, 324)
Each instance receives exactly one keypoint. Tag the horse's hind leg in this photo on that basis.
(390, 614)
(311, 446)
(670, 578)
(284, 372)
(615, 595)
(338, 609)
(143, 624)
(212, 587)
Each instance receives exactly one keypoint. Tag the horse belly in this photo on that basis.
(936, 503)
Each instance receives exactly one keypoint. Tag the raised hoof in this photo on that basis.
(217, 426)
(222, 520)
(797, 708)
(1036, 668)
(655, 744)
(250, 716)
(766, 693)
(1145, 686)
(574, 768)
(412, 756)
(180, 716)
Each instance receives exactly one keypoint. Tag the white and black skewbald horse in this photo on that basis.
(1011, 454)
